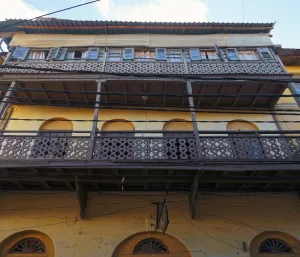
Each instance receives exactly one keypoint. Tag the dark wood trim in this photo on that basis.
(82, 196)
(8, 93)
(193, 194)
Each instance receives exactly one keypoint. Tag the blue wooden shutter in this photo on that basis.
(128, 54)
(265, 53)
(52, 53)
(232, 54)
(61, 54)
(161, 54)
(20, 53)
(195, 54)
(93, 53)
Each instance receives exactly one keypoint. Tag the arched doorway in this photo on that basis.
(247, 146)
(151, 244)
(27, 244)
(53, 139)
(118, 136)
(179, 140)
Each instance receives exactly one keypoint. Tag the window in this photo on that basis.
(274, 245)
(28, 245)
(205, 55)
(37, 55)
(174, 55)
(128, 54)
(161, 54)
(150, 246)
(76, 54)
(20, 53)
(144, 55)
(57, 54)
(265, 53)
(248, 55)
(115, 54)
(232, 54)
(195, 54)
(95, 53)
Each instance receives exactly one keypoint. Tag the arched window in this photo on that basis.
(28, 245)
(150, 246)
(53, 139)
(184, 128)
(241, 125)
(274, 245)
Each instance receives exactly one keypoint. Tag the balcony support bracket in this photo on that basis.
(82, 196)
(193, 194)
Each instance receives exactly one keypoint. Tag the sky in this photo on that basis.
(284, 12)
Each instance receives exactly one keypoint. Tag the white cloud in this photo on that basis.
(154, 10)
(15, 9)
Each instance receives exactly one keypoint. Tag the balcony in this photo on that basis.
(149, 146)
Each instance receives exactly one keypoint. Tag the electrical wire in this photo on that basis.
(47, 14)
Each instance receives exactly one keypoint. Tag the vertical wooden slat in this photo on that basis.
(6, 98)
(194, 119)
(95, 122)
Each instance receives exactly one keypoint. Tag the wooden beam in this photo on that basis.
(25, 93)
(165, 91)
(85, 95)
(95, 122)
(64, 88)
(68, 183)
(145, 173)
(47, 96)
(237, 98)
(6, 98)
(259, 91)
(183, 98)
(219, 97)
(193, 194)
(194, 119)
(200, 96)
(82, 196)
(46, 185)
(95, 184)
(19, 184)
(125, 92)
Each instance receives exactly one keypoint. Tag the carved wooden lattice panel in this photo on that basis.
(294, 146)
(248, 148)
(71, 66)
(144, 149)
(236, 68)
(35, 147)
(217, 148)
(145, 67)
(276, 148)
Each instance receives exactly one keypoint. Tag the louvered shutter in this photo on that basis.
(61, 54)
(195, 54)
(161, 54)
(219, 52)
(128, 54)
(20, 53)
(93, 53)
(52, 53)
(265, 53)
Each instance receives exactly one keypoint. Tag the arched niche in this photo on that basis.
(178, 124)
(17, 245)
(173, 246)
(118, 125)
(241, 125)
(56, 124)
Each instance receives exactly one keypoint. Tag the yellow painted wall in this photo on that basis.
(293, 70)
(224, 40)
(111, 219)
(46, 112)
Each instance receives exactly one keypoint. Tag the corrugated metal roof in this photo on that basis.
(62, 26)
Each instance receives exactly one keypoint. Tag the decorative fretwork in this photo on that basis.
(150, 148)
(144, 148)
(236, 68)
(28, 245)
(150, 246)
(145, 67)
(47, 147)
(274, 246)
(67, 66)
(241, 67)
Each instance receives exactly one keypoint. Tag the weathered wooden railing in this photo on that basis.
(136, 67)
(150, 146)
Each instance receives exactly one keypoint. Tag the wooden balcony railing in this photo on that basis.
(151, 146)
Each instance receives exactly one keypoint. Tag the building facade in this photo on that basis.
(110, 131)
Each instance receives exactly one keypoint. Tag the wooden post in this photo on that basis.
(193, 195)
(95, 122)
(9, 92)
(194, 119)
(82, 196)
